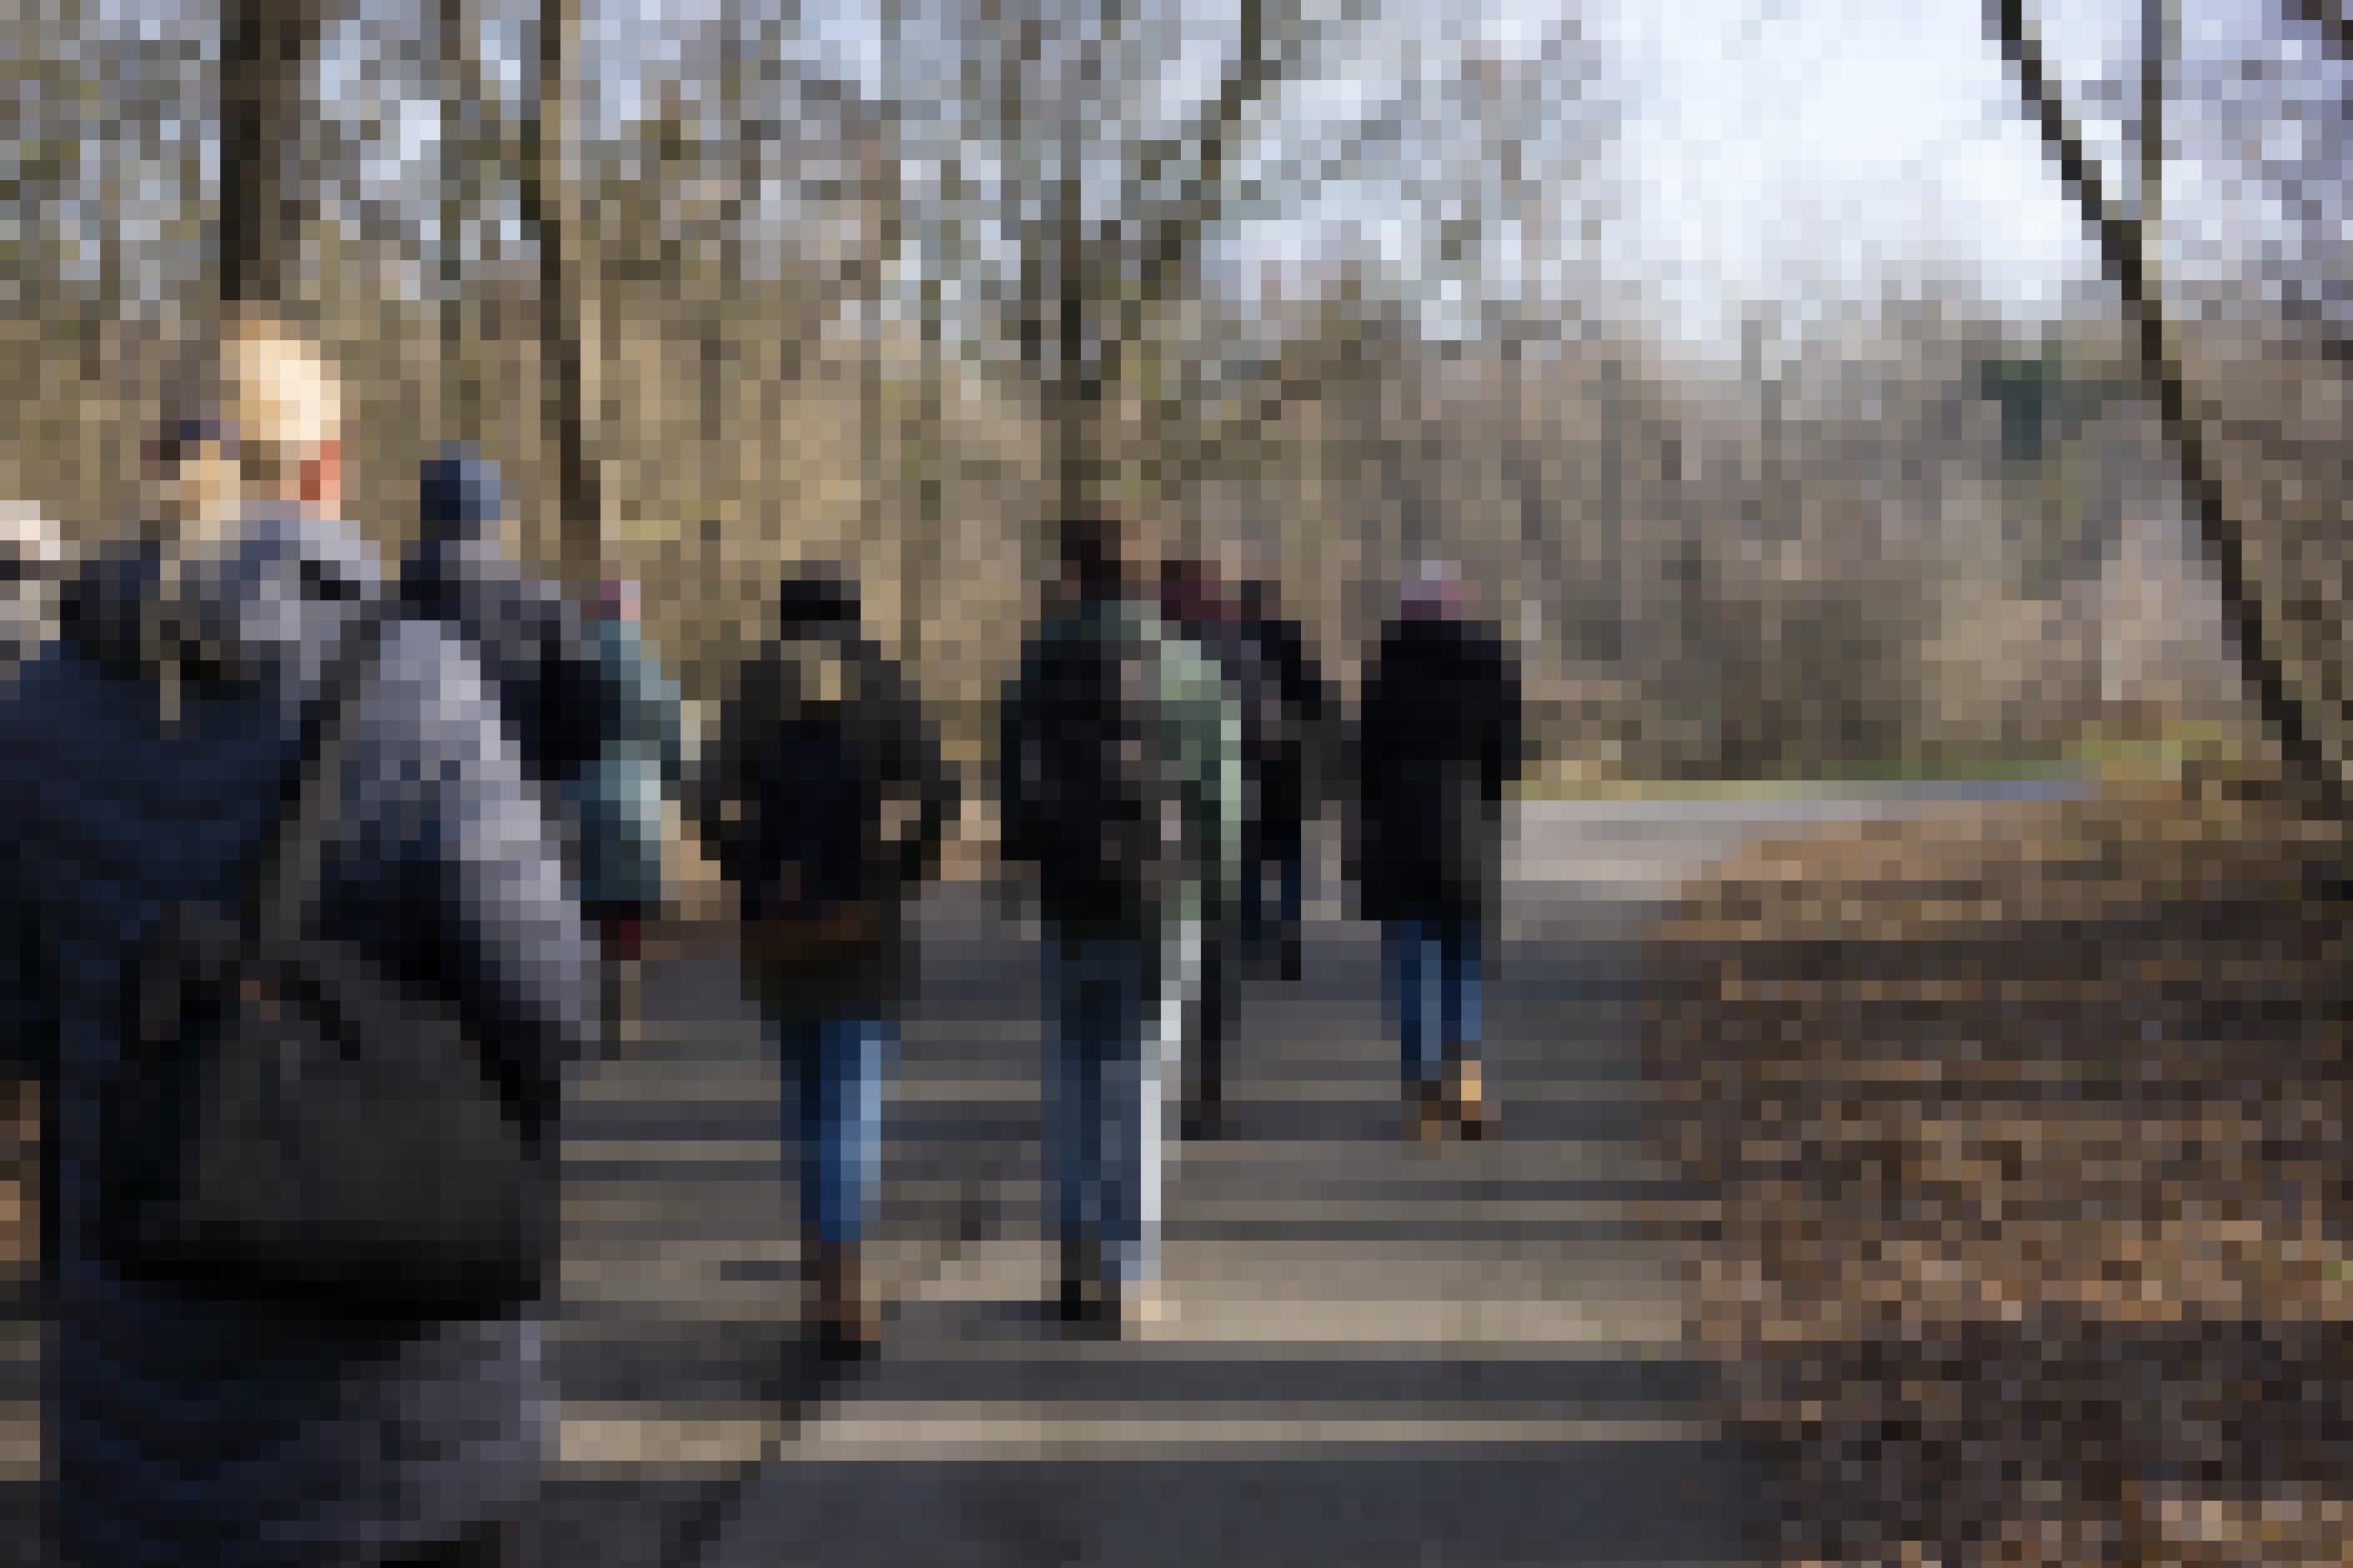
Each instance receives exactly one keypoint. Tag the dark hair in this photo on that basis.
(1093, 549)
(1191, 592)
(817, 596)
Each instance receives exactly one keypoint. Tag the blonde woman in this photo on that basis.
(144, 765)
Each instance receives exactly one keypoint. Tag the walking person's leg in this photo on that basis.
(1461, 993)
(1291, 870)
(834, 1118)
(620, 939)
(800, 1071)
(1159, 988)
(1074, 1134)
(857, 1052)
(1410, 955)
(1261, 934)
(1212, 1005)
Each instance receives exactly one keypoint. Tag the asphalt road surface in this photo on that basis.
(1376, 1354)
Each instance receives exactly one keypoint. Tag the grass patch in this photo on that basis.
(2102, 753)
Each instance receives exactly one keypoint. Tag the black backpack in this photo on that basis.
(1100, 806)
(819, 803)
(293, 1122)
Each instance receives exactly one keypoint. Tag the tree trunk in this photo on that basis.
(551, 208)
(266, 47)
(460, 87)
(1072, 399)
(928, 547)
(1098, 316)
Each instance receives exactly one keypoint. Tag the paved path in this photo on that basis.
(1376, 1354)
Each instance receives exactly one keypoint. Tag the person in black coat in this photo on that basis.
(1287, 776)
(1438, 739)
(825, 801)
(539, 651)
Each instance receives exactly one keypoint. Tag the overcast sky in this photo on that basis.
(1800, 149)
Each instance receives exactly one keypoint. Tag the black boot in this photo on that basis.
(1205, 1113)
(1080, 1299)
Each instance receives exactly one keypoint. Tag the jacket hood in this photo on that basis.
(458, 495)
(269, 599)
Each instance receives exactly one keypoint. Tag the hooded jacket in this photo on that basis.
(538, 651)
(142, 760)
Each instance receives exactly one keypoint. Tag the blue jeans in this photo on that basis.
(1423, 955)
(1118, 1011)
(833, 1071)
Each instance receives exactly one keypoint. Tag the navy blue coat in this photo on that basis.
(189, 1430)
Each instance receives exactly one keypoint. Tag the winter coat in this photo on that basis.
(618, 799)
(538, 653)
(743, 804)
(1438, 739)
(1249, 686)
(195, 1429)
(1206, 731)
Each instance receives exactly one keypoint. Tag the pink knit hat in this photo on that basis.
(1434, 590)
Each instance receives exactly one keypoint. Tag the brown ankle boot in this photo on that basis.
(1466, 1105)
(847, 1322)
(1424, 1116)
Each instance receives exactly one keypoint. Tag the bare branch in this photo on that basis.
(1176, 233)
(2125, 246)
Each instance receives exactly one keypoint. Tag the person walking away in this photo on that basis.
(825, 803)
(539, 652)
(1289, 777)
(1438, 739)
(617, 801)
(1121, 791)
(198, 1413)
(1195, 604)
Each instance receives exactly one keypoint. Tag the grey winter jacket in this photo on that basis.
(188, 1430)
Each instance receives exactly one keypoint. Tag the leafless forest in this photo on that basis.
(759, 305)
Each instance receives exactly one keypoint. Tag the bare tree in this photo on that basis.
(551, 209)
(267, 47)
(2292, 685)
(1091, 286)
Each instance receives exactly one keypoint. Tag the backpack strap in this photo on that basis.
(287, 872)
